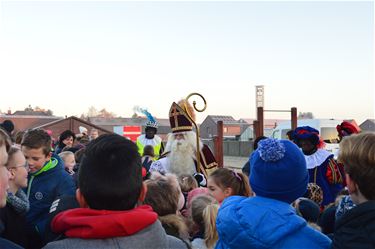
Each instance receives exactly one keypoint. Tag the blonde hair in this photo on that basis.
(187, 182)
(12, 151)
(65, 154)
(357, 153)
(204, 210)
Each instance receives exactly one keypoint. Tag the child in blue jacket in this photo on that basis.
(278, 177)
(47, 180)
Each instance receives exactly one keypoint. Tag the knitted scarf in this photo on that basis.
(19, 201)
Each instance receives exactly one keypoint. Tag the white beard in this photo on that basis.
(181, 158)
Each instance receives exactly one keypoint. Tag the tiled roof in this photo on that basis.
(24, 122)
(31, 113)
(141, 121)
(228, 120)
(77, 119)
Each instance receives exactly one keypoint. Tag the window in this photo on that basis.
(275, 134)
(329, 134)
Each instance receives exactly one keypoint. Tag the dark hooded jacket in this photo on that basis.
(356, 228)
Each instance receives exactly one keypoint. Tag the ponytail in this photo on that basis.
(238, 182)
(245, 189)
(209, 217)
(204, 210)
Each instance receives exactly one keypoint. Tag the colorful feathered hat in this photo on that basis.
(151, 122)
(309, 133)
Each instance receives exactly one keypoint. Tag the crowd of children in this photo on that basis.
(97, 195)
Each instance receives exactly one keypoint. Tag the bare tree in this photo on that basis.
(39, 109)
(305, 115)
(29, 109)
(83, 116)
(93, 112)
(106, 114)
(49, 112)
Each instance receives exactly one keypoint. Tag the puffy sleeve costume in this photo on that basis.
(323, 169)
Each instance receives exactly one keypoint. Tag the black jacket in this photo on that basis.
(13, 226)
(356, 228)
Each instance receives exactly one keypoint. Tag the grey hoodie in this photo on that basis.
(153, 236)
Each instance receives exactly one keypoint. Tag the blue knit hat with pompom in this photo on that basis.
(278, 170)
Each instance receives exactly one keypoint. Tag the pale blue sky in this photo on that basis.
(317, 56)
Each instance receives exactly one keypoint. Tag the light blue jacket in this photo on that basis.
(258, 222)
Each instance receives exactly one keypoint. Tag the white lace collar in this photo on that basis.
(317, 158)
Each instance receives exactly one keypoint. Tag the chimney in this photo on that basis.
(9, 111)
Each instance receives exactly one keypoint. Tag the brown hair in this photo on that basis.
(357, 153)
(79, 154)
(148, 150)
(204, 210)
(187, 182)
(238, 182)
(19, 136)
(162, 196)
(36, 139)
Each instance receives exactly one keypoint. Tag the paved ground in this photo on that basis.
(235, 162)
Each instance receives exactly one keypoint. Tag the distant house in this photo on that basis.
(110, 123)
(31, 113)
(232, 129)
(247, 134)
(71, 123)
(24, 122)
(368, 125)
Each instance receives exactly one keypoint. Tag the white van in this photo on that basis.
(326, 128)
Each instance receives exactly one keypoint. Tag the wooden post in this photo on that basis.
(260, 119)
(293, 112)
(219, 144)
(256, 129)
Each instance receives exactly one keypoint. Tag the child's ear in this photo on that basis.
(352, 186)
(12, 174)
(143, 193)
(48, 157)
(81, 200)
(228, 192)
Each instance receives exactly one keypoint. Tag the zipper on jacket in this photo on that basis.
(50, 165)
(29, 187)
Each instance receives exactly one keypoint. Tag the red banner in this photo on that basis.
(132, 132)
